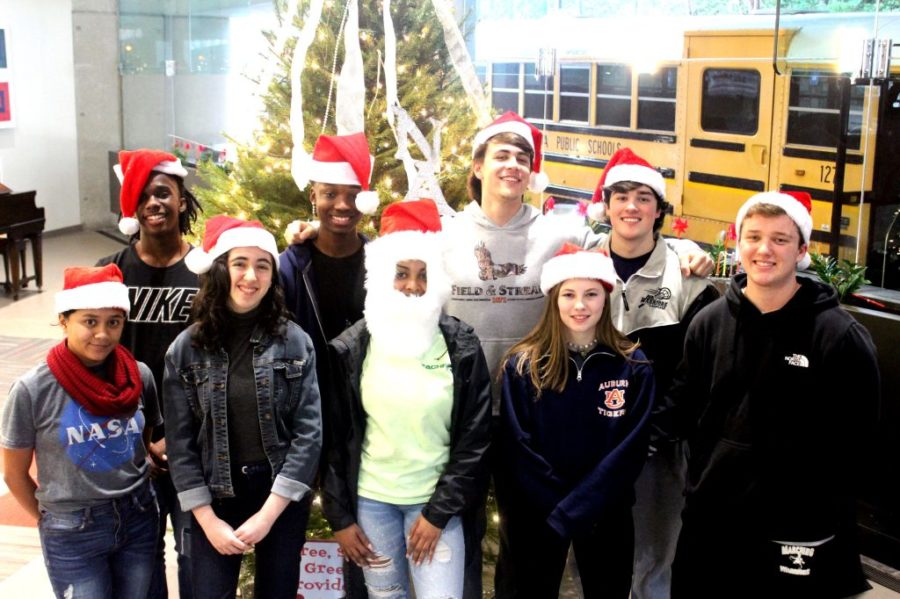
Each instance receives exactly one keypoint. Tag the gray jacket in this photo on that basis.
(289, 407)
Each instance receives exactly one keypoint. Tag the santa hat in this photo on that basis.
(401, 325)
(224, 233)
(510, 122)
(625, 165)
(344, 160)
(574, 262)
(797, 205)
(133, 170)
(409, 231)
(92, 287)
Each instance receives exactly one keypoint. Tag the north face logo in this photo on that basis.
(798, 360)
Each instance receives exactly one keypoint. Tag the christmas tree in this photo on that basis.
(258, 184)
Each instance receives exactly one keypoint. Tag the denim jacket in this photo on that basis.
(287, 394)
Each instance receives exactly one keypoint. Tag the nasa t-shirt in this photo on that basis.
(82, 459)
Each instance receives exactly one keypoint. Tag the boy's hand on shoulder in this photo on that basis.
(698, 264)
(301, 231)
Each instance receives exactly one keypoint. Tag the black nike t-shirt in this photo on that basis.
(161, 300)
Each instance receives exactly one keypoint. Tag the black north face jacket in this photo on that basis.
(776, 408)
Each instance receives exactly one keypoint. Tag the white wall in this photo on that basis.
(40, 152)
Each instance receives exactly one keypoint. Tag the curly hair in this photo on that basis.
(210, 308)
(543, 352)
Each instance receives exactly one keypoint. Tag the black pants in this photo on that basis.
(533, 557)
(167, 499)
(215, 576)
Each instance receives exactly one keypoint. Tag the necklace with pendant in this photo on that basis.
(582, 349)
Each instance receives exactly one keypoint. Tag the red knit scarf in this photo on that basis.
(99, 396)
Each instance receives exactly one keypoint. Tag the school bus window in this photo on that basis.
(613, 95)
(505, 86)
(814, 110)
(574, 92)
(730, 102)
(538, 94)
(481, 73)
(656, 99)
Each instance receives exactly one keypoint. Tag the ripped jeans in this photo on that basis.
(387, 526)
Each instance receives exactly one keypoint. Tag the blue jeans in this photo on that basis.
(659, 499)
(387, 526)
(167, 499)
(102, 552)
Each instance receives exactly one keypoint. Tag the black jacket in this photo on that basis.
(461, 482)
(300, 295)
(776, 408)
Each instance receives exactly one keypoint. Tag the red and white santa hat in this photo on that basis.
(410, 230)
(224, 233)
(92, 287)
(625, 165)
(510, 122)
(133, 170)
(574, 262)
(344, 160)
(797, 205)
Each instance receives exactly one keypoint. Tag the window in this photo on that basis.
(656, 99)
(574, 92)
(481, 73)
(814, 111)
(505, 86)
(730, 101)
(613, 95)
(538, 95)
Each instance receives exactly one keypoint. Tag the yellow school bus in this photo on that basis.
(730, 116)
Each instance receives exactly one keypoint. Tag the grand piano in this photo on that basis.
(21, 221)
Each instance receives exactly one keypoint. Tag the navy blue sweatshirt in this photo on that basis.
(573, 457)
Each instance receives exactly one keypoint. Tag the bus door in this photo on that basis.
(728, 125)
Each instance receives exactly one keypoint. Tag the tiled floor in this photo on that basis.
(27, 330)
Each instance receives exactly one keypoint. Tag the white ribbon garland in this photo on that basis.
(285, 32)
(462, 62)
(421, 175)
(299, 156)
(351, 91)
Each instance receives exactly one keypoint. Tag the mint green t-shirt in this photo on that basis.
(408, 402)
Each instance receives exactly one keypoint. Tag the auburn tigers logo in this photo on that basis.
(615, 399)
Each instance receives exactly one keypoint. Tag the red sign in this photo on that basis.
(5, 109)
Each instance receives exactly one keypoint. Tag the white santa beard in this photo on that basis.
(402, 325)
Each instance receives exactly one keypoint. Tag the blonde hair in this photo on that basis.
(544, 353)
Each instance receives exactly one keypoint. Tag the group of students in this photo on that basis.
(623, 395)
